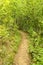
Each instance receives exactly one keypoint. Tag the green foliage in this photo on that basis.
(26, 15)
(31, 21)
(9, 34)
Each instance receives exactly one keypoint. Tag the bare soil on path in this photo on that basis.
(22, 57)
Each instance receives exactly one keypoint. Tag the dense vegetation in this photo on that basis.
(26, 15)
(9, 34)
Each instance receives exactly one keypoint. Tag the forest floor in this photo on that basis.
(22, 57)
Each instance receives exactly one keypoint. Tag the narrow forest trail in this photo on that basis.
(22, 58)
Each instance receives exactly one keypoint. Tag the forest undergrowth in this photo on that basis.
(25, 15)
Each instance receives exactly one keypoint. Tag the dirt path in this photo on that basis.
(21, 57)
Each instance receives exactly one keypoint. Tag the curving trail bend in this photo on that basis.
(22, 57)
